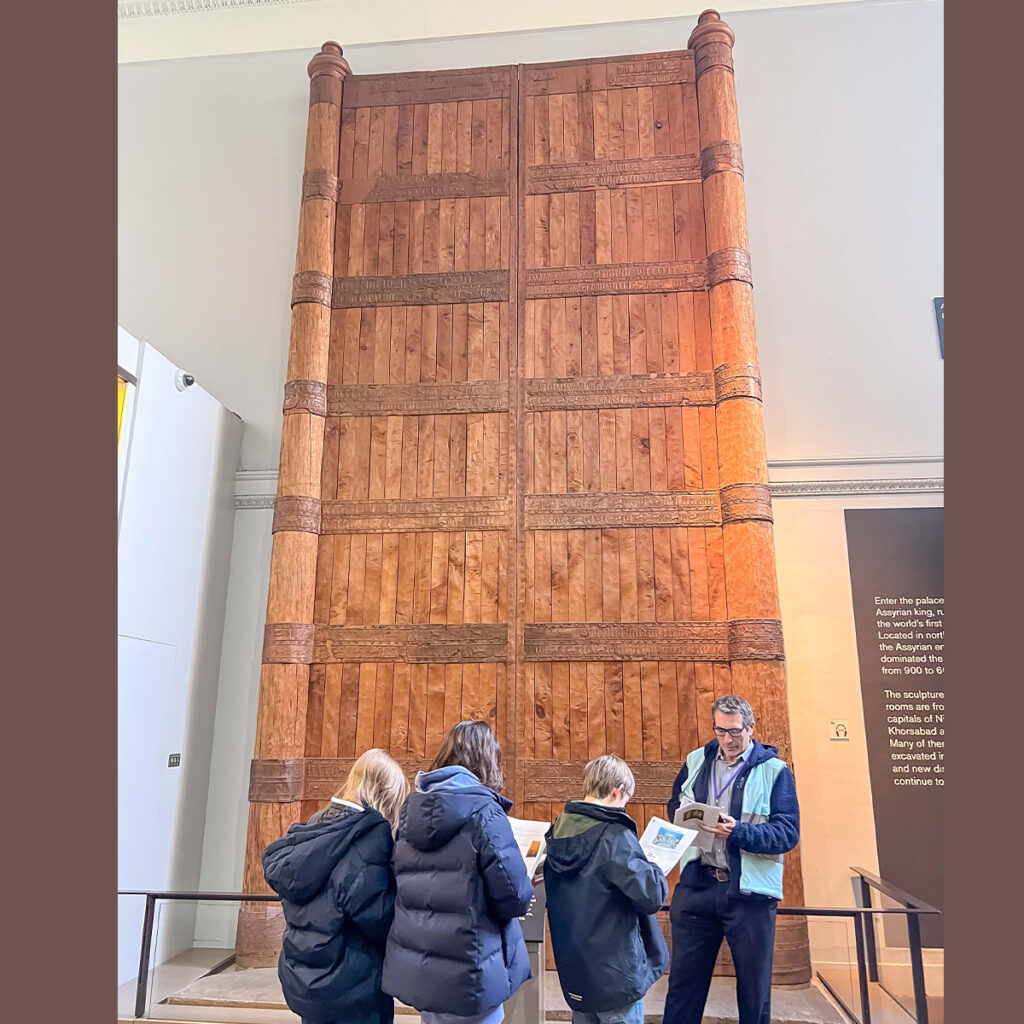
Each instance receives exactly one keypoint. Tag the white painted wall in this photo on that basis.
(173, 545)
(840, 110)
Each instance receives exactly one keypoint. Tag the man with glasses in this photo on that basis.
(732, 889)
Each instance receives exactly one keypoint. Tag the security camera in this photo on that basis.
(183, 380)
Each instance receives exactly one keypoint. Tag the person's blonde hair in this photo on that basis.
(604, 774)
(376, 779)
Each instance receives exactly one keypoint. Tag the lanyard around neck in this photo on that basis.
(718, 791)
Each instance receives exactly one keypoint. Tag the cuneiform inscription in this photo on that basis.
(728, 264)
(721, 156)
(560, 780)
(737, 380)
(426, 87)
(417, 399)
(616, 641)
(288, 643)
(311, 286)
(296, 514)
(413, 515)
(754, 639)
(615, 279)
(611, 173)
(633, 392)
(621, 509)
(415, 644)
(388, 188)
(664, 71)
(421, 289)
(741, 502)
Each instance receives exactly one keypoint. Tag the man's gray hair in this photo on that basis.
(603, 774)
(733, 705)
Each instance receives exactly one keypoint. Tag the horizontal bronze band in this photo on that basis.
(309, 778)
(742, 502)
(417, 643)
(593, 174)
(634, 392)
(390, 188)
(548, 780)
(417, 515)
(288, 643)
(649, 71)
(598, 74)
(325, 89)
(721, 156)
(296, 514)
(312, 286)
(729, 265)
(320, 185)
(742, 639)
(428, 87)
(621, 509)
(456, 286)
(614, 279)
(445, 399)
(306, 396)
(737, 380)
(712, 55)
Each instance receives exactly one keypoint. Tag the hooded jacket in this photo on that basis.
(763, 802)
(337, 889)
(456, 945)
(602, 895)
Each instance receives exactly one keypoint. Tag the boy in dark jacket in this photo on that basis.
(602, 895)
(337, 889)
(456, 951)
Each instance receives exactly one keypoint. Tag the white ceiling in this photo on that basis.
(166, 29)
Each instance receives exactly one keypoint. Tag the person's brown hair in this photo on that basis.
(376, 779)
(472, 745)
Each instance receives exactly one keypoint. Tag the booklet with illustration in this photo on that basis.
(664, 843)
(691, 815)
(529, 836)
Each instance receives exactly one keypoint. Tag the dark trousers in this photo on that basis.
(700, 918)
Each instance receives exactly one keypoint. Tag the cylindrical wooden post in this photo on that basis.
(288, 638)
(750, 582)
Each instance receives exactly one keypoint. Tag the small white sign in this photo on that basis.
(838, 732)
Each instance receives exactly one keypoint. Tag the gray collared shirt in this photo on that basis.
(717, 857)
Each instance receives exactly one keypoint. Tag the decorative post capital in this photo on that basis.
(329, 61)
(711, 29)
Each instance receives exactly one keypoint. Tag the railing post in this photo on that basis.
(917, 968)
(862, 974)
(147, 942)
(862, 897)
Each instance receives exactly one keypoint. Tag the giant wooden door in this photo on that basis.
(523, 474)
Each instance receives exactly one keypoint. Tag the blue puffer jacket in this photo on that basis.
(337, 889)
(456, 945)
(602, 895)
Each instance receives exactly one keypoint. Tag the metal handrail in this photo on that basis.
(867, 963)
(894, 892)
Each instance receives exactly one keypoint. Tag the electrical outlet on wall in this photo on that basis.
(174, 760)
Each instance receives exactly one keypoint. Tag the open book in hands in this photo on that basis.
(529, 837)
(664, 843)
(689, 816)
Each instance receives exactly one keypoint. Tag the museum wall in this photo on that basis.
(841, 118)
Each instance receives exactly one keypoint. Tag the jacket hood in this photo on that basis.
(297, 865)
(761, 752)
(576, 833)
(442, 802)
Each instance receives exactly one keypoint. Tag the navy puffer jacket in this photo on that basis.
(456, 945)
(337, 889)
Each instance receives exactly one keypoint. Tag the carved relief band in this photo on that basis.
(729, 265)
(428, 87)
(624, 72)
(306, 396)
(650, 70)
(639, 391)
(737, 380)
(288, 643)
(741, 502)
(548, 780)
(713, 55)
(721, 156)
(611, 173)
(421, 289)
(620, 509)
(416, 515)
(417, 399)
(298, 514)
(416, 643)
(287, 781)
(755, 639)
(320, 184)
(620, 641)
(389, 188)
(312, 286)
(614, 279)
